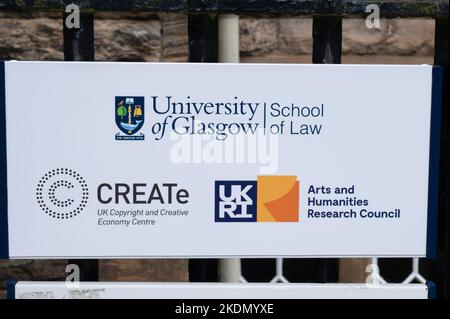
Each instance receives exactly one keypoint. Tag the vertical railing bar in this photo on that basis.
(376, 275)
(279, 266)
(228, 52)
(278, 270)
(230, 270)
(327, 39)
(79, 42)
(415, 265)
(327, 48)
(228, 41)
(79, 46)
(203, 38)
(279, 276)
(415, 273)
(203, 47)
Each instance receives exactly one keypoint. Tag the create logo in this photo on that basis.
(129, 115)
(62, 193)
(269, 199)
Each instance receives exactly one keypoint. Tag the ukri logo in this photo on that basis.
(269, 199)
(235, 201)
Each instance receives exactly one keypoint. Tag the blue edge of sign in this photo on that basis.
(4, 244)
(433, 177)
(431, 289)
(433, 184)
(11, 288)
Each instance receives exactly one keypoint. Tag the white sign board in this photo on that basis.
(113, 160)
(130, 290)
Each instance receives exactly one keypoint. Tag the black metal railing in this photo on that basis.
(390, 9)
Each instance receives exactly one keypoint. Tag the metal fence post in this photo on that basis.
(327, 39)
(79, 42)
(203, 47)
(327, 48)
(228, 29)
(203, 38)
(79, 46)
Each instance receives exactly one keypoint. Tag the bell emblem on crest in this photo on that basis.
(137, 111)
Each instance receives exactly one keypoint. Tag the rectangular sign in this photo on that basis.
(134, 290)
(113, 160)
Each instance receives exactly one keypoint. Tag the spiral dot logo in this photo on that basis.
(62, 193)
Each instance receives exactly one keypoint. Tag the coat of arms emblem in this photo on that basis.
(129, 114)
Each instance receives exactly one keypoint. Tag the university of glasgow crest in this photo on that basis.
(129, 113)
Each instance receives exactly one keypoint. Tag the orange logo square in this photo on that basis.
(278, 199)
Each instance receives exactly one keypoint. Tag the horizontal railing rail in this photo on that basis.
(389, 9)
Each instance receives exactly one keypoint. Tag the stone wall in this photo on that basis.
(163, 37)
(289, 40)
(151, 37)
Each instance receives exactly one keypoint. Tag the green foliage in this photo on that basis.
(121, 111)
